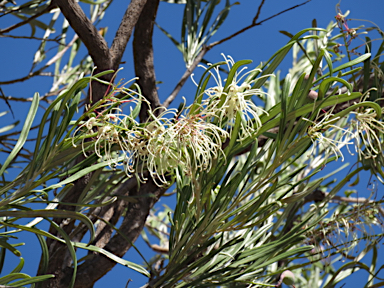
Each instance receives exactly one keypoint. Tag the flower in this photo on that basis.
(107, 129)
(237, 99)
(322, 131)
(366, 126)
(187, 141)
(287, 277)
(165, 143)
(170, 140)
(112, 130)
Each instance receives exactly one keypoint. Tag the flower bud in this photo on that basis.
(312, 95)
(287, 277)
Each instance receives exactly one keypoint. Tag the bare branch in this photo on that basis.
(255, 24)
(49, 63)
(103, 57)
(26, 21)
(29, 99)
(185, 76)
(143, 57)
(317, 196)
(205, 49)
(95, 43)
(56, 40)
(30, 75)
(96, 266)
(124, 32)
(350, 199)
(357, 200)
(258, 11)
(286, 10)
(6, 101)
(112, 213)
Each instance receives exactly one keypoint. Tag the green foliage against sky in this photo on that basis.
(250, 159)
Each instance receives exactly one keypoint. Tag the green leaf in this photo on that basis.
(32, 280)
(115, 258)
(24, 133)
(356, 61)
(20, 266)
(46, 213)
(6, 245)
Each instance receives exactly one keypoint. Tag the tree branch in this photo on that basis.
(103, 58)
(143, 57)
(49, 63)
(258, 11)
(124, 32)
(96, 266)
(96, 45)
(185, 76)
(255, 24)
(56, 40)
(113, 213)
(26, 21)
(318, 196)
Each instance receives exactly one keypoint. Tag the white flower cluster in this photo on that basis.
(329, 144)
(361, 132)
(226, 105)
(190, 141)
(366, 126)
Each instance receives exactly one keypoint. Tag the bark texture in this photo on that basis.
(141, 14)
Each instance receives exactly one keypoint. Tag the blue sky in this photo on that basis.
(257, 44)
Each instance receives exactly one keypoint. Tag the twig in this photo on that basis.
(46, 10)
(286, 10)
(258, 11)
(49, 63)
(255, 24)
(143, 58)
(29, 99)
(6, 101)
(205, 49)
(356, 200)
(185, 76)
(22, 79)
(318, 196)
(56, 40)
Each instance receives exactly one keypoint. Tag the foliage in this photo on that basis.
(247, 158)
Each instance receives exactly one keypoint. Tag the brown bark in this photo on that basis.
(104, 58)
(96, 266)
(143, 57)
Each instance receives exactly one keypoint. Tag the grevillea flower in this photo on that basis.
(237, 99)
(366, 127)
(87, 126)
(187, 141)
(288, 278)
(331, 137)
(110, 131)
(190, 141)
